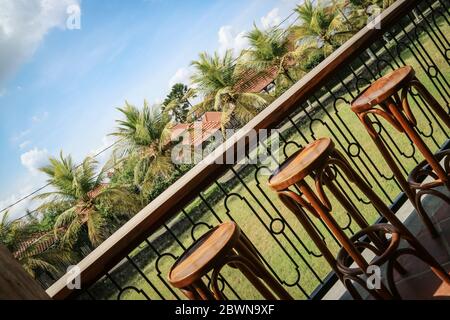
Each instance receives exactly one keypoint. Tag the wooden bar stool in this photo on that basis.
(222, 245)
(317, 161)
(388, 98)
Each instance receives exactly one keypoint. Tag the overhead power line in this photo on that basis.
(48, 184)
(113, 144)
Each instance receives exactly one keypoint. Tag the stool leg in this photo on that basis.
(432, 102)
(191, 293)
(351, 288)
(379, 242)
(247, 268)
(401, 179)
(422, 213)
(340, 235)
(203, 290)
(214, 285)
(254, 280)
(320, 244)
(390, 216)
(249, 246)
(243, 248)
(349, 281)
(348, 206)
(414, 136)
(333, 225)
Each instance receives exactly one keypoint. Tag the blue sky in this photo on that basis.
(59, 88)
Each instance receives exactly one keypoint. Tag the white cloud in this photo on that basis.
(182, 75)
(230, 39)
(272, 19)
(39, 117)
(23, 25)
(34, 159)
(31, 184)
(24, 144)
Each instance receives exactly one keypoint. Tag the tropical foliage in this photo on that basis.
(145, 136)
(177, 102)
(87, 203)
(217, 78)
(36, 250)
(323, 27)
(269, 48)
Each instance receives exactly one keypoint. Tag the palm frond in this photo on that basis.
(96, 228)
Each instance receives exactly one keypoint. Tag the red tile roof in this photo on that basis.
(255, 82)
(199, 131)
(41, 240)
(212, 117)
(94, 193)
(208, 129)
(178, 129)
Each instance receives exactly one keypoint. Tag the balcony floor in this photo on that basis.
(420, 282)
(423, 283)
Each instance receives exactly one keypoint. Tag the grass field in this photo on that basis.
(254, 206)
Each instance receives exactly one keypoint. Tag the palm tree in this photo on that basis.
(385, 3)
(217, 78)
(177, 102)
(145, 134)
(36, 251)
(90, 204)
(365, 3)
(362, 10)
(271, 48)
(324, 26)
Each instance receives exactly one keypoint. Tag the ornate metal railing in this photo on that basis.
(133, 263)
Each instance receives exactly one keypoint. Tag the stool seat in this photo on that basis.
(383, 88)
(301, 164)
(202, 255)
(225, 245)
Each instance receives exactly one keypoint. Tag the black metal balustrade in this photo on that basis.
(412, 32)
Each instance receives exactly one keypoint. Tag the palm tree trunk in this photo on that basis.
(346, 19)
(188, 102)
(288, 76)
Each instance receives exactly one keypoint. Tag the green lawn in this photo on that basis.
(254, 210)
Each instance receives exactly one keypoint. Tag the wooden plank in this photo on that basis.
(143, 224)
(15, 282)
